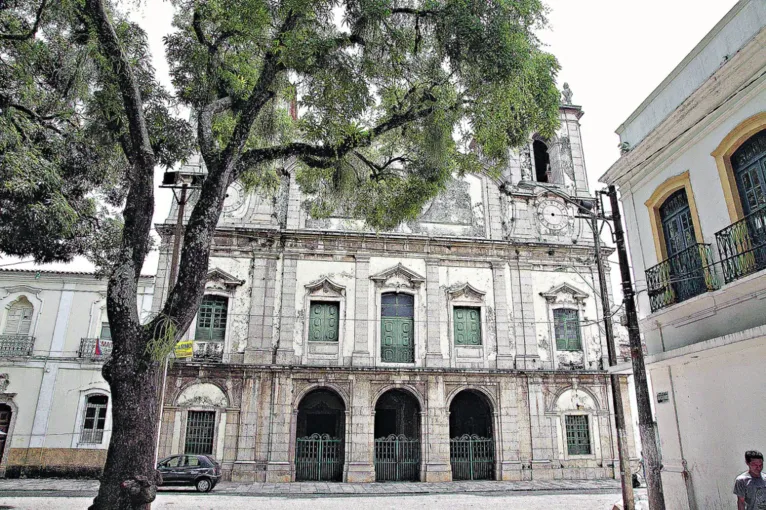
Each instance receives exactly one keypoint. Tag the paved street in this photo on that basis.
(216, 501)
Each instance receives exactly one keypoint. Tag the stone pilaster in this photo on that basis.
(527, 356)
(434, 356)
(362, 352)
(261, 325)
(244, 465)
(360, 440)
(541, 431)
(509, 420)
(503, 330)
(279, 467)
(285, 349)
(436, 427)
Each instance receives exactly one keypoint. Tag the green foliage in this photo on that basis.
(163, 338)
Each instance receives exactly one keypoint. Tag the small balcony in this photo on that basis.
(199, 350)
(681, 277)
(742, 246)
(16, 345)
(94, 348)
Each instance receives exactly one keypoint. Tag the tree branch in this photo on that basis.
(31, 33)
(197, 26)
(205, 127)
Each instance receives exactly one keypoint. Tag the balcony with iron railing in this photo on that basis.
(16, 345)
(94, 348)
(199, 351)
(683, 276)
(742, 246)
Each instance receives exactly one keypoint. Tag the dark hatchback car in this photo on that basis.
(201, 471)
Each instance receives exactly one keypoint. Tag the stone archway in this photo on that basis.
(397, 437)
(472, 444)
(320, 432)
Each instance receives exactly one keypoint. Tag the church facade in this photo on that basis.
(468, 344)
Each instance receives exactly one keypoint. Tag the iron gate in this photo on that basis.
(318, 457)
(397, 459)
(472, 457)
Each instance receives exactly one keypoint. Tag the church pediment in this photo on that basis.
(564, 292)
(221, 279)
(325, 287)
(466, 291)
(398, 276)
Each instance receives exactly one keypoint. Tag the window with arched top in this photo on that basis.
(542, 161)
(749, 166)
(677, 224)
(94, 421)
(19, 320)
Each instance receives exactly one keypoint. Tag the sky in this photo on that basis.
(613, 54)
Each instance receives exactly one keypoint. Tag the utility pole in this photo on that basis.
(177, 237)
(646, 424)
(626, 480)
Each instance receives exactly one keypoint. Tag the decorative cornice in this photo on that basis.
(410, 276)
(22, 288)
(552, 295)
(465, 290)
(326, 286)
(223, 277)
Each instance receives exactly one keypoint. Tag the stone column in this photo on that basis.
(527, 356)
(361, 355)
(244, 465)
(261, 325)
(541, 431)
(434, 357)
(360, 443)
(279, 467)
(503, 330)
(509, 425)
(437, 461)
(285, 350)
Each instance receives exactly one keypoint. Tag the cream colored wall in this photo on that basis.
(25, 383)
(71, 385)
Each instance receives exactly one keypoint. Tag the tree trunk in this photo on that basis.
(129, 482)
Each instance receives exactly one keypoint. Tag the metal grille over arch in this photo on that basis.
(397, 437)
(319, 448)
(472, 446)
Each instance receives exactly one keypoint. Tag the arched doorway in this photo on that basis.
(472, 446)
(5, 425)
(319, 437)
(397, 437)
(749, 166)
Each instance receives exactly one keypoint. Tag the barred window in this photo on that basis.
(200, 429)
(566, 323)
(211, 319)
(95, 419)
(578, 435)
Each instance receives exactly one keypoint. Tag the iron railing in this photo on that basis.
(742, 246)
(472, 457)
(207, 351)
(88, 348)
(16, 345)
(318, 458)
(397, 459)
(687, 274)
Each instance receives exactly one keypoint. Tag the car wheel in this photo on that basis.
(204, 485)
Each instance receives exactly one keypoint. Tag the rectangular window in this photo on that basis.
(94, 421)
(200, 428)
(578, 435)
(323, 321)
(397, 342)
(467, 325)
(211, 318)
(106, 331)
(566, 324)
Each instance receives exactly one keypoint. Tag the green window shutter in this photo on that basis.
(566, 325)
(106, 331)
(397, 328)
(19, 319)
(467, 325)
(578, 435)
(323, 322)
(211, 318)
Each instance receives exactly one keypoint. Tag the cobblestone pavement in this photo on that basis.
(308, 488)
(496, 501)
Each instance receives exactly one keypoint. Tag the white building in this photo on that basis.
(692, 179)
(54, 404)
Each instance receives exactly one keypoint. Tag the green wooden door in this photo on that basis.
(467, 326)
(397, 328)
(211, 318)
(323, 325)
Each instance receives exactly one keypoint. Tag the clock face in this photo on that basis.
(235, 196)
(552, 214)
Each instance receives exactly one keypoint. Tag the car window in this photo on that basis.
(204, 461)
(192, 461)
(173, 462)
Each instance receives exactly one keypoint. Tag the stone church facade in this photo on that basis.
(465, 345)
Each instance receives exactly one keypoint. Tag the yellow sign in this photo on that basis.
(184, 349)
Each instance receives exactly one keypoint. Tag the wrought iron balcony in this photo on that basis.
(88, 348)
(16, 345)
(681, 277)
(207, 351)
(742, 246)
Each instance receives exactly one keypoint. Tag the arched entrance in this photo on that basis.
(5, 425)
(319, 436)
(472, 447)
(397, 437)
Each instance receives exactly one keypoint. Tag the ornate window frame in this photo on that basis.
(575, 401)
(12, 294)
(327, 291)
(7, 399)
(80, 419)
(466, 295)
(663, 191)
(570, 297)
(400, 279)
(221, 407)
(219, 283)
